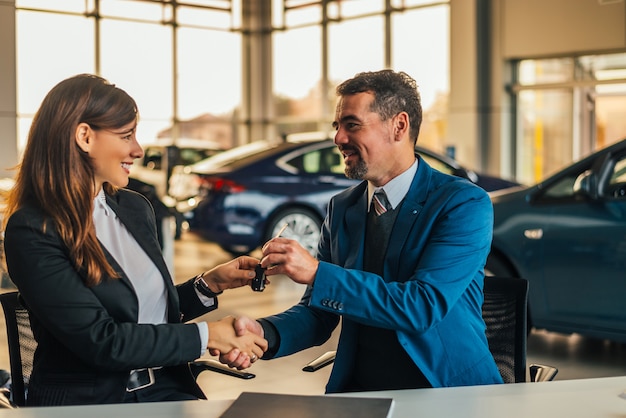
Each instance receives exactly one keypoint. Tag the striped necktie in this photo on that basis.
(380, 202)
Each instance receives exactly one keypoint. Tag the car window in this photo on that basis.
(562, 188)
(619, 171)
(567, 187)
(320, 161)
(437, 164)
(153, 158)
(616, 187)
(190, 156)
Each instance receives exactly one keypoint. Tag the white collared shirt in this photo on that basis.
(396, 188)
(139, 268)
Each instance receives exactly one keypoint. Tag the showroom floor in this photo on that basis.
(575, 357)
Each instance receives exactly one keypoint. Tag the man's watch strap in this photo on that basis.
(203, 288)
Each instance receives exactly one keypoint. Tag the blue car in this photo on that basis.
(242, 197)
(567, 237)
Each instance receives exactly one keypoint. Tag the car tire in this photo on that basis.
(303, 225)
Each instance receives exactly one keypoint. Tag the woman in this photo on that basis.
(84, 254)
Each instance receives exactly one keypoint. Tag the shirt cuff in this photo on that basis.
(203, 329)
(206, 301)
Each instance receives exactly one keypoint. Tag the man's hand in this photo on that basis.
(244, 346)
(287, 256)
(235, 358)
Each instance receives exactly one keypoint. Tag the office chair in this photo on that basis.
(22, 346)
(505, 314)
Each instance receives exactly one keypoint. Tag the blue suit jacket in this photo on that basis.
(431, 290)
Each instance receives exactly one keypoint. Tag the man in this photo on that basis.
(405, 276)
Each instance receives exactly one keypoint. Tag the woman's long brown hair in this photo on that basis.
(56, 176)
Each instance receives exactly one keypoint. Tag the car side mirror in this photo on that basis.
(586, 185)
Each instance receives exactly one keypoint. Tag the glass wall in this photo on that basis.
(567, 108)
(319, 44)
(420, 46)
(182, 60)
(41, 62)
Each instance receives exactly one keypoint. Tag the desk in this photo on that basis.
(588, 398)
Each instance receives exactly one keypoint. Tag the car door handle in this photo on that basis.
(536, 233)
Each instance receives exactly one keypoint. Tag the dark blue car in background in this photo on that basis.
(567, 237)
(241, 197)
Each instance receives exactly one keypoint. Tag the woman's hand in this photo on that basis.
(223, 338)
(235, 273)
(235, 358)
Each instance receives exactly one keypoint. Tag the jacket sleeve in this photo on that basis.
(191, 307)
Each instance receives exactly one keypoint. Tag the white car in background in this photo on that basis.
(160, 159)
(162, 156)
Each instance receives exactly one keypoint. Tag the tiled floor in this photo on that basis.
(574, 356)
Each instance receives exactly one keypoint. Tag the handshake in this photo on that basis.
(244, 343)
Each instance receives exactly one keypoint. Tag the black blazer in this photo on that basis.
(88, 337)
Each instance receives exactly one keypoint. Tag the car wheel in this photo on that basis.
(303, 225)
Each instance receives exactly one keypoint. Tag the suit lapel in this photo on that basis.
(410, 211)
(355, 221)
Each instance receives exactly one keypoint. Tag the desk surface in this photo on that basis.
(572, 398)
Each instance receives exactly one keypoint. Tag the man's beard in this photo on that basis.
(358, 171)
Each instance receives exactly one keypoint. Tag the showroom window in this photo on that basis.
(317, 47)
(183, 61)
(566, 109)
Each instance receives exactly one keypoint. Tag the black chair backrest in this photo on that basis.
(504, 312)
(22, 345)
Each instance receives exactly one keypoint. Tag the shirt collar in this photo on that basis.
(396, 188)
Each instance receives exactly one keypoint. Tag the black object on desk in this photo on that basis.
(273, 405)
